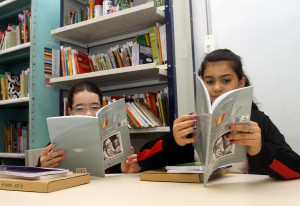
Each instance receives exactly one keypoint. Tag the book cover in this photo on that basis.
(92, 144)
(31, 173)
(83, 63)
(143, 39)
(161, 175)
(46, 185)
(151, 102)
(233, 107)
(154, 45)
(13, 85)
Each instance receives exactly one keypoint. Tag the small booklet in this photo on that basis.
(32, 173)
(233, 107)
(191, 167)
(92, 144)
(187, 166)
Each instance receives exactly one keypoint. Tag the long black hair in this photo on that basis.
(230, 57)
(82, 86)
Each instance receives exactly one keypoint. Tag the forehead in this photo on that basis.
(85, 97)
(218, 69)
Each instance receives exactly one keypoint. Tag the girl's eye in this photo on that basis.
(210, 82)
(227, 80)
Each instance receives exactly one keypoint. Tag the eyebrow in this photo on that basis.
(222, 76)
(94, 103)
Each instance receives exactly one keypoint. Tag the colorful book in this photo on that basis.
(154, 45)
(83, 63)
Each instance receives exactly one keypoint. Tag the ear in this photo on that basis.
(242, 82)
(70, 111)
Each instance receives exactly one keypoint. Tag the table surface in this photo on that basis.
(127, 189)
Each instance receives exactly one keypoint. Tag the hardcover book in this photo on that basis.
(92, 144)
(82, 63)
(45, 185)
(233, 107)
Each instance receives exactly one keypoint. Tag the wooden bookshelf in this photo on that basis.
(128, 23)
(121, 78)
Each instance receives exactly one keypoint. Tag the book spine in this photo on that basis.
(133, 117)
(153, 40)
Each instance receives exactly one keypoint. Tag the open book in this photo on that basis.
(233, 107)
(92, 144)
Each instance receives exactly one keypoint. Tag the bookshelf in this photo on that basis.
(43, 101)
(17, 54)
(92, 35)
(121, 78)
(97, 31)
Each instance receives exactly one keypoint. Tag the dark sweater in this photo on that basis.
(275, 159)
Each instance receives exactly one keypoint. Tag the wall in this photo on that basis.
(266, 34)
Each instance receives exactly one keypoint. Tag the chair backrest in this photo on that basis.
(32, 156)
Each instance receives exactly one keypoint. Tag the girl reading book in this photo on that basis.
(267, 151)
(85, 98)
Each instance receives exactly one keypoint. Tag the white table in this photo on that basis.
(127, 189)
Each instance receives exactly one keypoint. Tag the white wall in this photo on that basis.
(266, 34)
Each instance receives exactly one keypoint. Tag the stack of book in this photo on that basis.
(36, 179)
(188, 172)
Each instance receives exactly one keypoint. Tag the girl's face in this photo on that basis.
(219, 78)
(85, 103)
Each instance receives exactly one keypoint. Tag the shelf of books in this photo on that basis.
(120, 78)
(124, 52)
(108, 28)
(25, 100)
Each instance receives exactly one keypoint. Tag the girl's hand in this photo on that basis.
(131, 164)
(183, 126)
(247, 137)
(51, 159)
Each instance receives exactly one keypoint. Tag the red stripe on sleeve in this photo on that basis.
(149, 152)
(283, 170)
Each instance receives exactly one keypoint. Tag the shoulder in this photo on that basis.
(259, 117)
(268, 128)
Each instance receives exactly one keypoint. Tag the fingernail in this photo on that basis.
(194, 127)
(195, 121)
(196, 116)
(228, 127)
(226, 136)
(195, 138)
